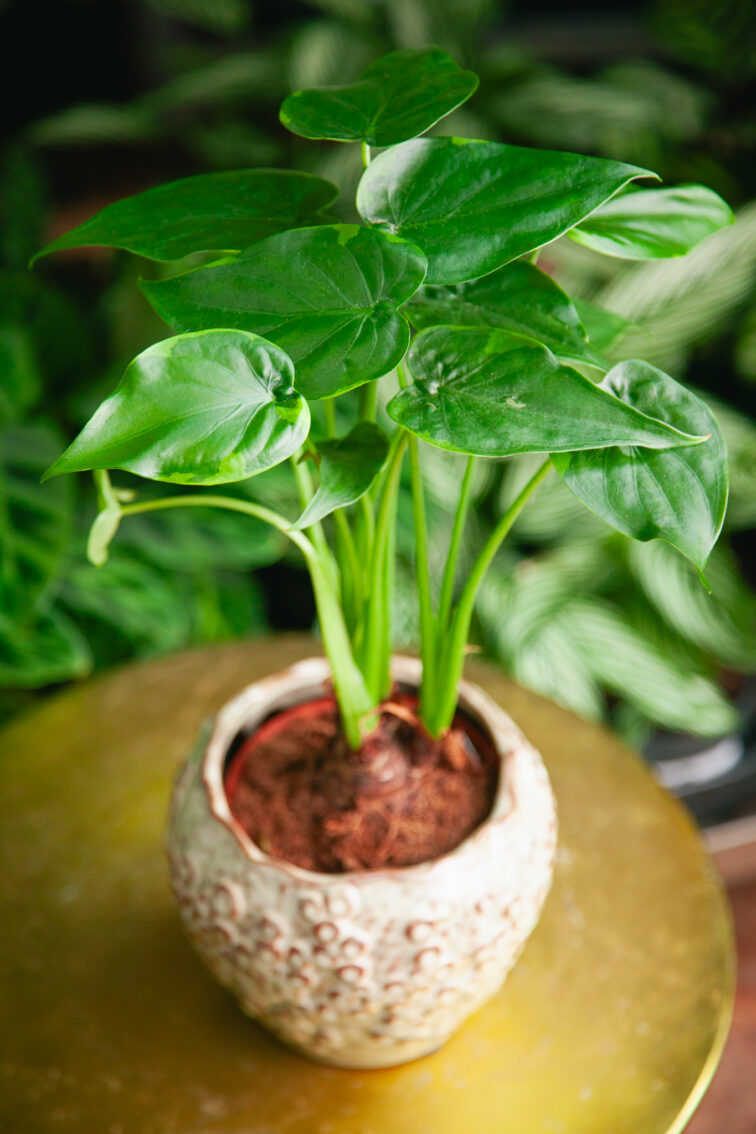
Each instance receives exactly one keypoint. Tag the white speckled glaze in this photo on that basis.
(361, 969)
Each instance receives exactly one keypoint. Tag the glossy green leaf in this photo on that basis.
(327, 296)
(348, 467)
(212, 212)
(490, 393)
(205, 408)
(654, 224)
(396, 97)
(517, 298)
(678, 495)
(474, 206)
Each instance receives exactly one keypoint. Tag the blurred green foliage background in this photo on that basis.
(165, 88)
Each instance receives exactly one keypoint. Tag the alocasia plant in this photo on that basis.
(297, 311)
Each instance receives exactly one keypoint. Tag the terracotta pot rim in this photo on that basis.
(311, 674)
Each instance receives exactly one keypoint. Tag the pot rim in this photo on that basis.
(235, 715)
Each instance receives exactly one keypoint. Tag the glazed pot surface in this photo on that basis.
(360, 969)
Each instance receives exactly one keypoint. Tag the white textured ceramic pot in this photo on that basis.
(361, 969)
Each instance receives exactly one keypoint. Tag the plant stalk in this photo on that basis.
(450, 570)
(356, 706)
(422, 572)
(442, 710)
(374, 647)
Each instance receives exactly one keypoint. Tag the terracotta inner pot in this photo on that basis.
(404, 798)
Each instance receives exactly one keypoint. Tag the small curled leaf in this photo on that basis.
(101, 534)
(348, 467)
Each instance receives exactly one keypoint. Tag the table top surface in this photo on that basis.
(611, 1023)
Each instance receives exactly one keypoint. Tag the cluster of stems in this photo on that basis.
(353, 581)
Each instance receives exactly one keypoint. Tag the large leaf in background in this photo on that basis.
(327, 296)
(519, 611)
(212, 212)
(205, 408)
(474, 206)
(348, 466)
(570, 646)
(603, 328)
(678, 495)
(396, 97)
(675, 304)
(654, 224)
(35, 519)
(137, 601)
(630, 666)
(42, 651)
(489, 393)
(722, 623)
(517, 298)
(19, 374)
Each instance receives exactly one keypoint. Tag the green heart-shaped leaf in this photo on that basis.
(348, 466)
(214, 212)
(474, 206)
(206, 408)
(327, 296)
(492, 394)
(653, 224)
(516, 298)
(679, 495)
(397, 97)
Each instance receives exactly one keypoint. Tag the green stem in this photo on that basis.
(442, 711)
(422, 578)
(105, 495)
(356, 705)
(351, 572)
(422, 573)
(232, 503)
(329, 416)
(365, 155)
(316, 533)
(375, 649)
(368, 400)
(450, 570)
(365, 522)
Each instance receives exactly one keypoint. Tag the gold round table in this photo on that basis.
(611, 1023)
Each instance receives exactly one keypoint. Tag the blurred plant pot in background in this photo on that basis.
(362, 968)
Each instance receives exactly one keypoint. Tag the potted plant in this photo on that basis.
(361, 845)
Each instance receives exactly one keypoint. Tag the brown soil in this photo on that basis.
(303, 796)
